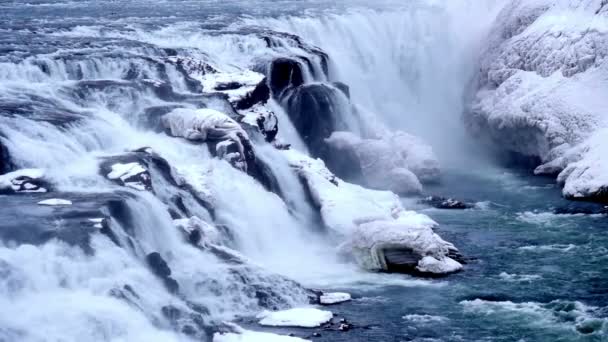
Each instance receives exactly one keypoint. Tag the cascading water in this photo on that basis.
(169, 237)
(409, 68)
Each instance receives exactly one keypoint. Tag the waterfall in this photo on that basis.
(410, 67)
(78, 98)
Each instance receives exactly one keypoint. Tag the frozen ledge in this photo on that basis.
(379, 234)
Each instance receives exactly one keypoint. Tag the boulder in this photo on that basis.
(159, 267)
(445, 203)
(285, 73)
(5, 159)
(316, 111)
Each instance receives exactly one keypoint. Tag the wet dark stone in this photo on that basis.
(5, 159)
(285, 73)
(313, 110)
(401, 260)
(228, 86)
(445, 203)
(158, 265)
(261, 94)
(195, 237)
(161, 269)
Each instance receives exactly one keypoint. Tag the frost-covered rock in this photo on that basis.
(374, 223)
(542, 85)
(24, 181)
(199, 231)
(210, 125)
(297, 317)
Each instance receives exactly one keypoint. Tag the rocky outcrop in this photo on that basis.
(379, 234)
(5, 159)
(540, 91)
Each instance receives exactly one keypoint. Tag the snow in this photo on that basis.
(254, 336)
(297, 317)
(334, 298)
(55, 202)
(372, 220)
(126, 171)
(541, 90)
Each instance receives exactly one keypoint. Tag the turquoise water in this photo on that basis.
(534, 275)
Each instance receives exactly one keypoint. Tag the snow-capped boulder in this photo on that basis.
(210, 125)
(198, 231)
(24, 181)
(445, 203)
(404, 244)
(541, 89)
(378, 232)
(132, 175)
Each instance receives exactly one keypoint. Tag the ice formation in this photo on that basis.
(541, 90)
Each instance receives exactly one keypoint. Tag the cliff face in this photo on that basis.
(541, 90)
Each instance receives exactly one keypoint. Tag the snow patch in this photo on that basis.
(334, 298)
(297, 317)
(55, 202)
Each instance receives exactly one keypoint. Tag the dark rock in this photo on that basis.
(285, 73)
(161, 269)
(269, 126)
(445, 203)
(195, 237)
(228, 86)
(5, 159)
(261, 94)
(401, 260)
(315, 110)
(158, 264)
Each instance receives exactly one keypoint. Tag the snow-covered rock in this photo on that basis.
(24, 180)
(542, 85)
(199, 231)
(208, 125)
(334, 298)
(55, 202)
(132, 175)
(373, 222)
(297, 317)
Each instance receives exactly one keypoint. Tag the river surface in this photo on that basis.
(534, 275)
